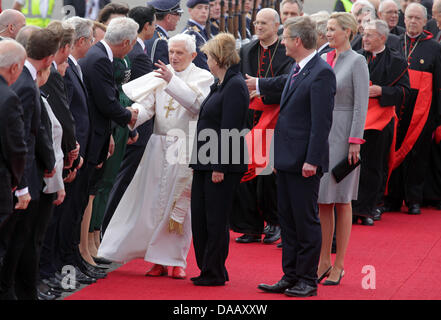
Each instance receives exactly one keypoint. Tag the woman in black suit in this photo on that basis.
(218, 171)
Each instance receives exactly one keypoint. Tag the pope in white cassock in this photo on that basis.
(152, 220)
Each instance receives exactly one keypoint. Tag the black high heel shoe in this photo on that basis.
(334, 283)
(324, 274)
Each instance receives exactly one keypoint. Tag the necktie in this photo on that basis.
(294, 74)
(79, 72)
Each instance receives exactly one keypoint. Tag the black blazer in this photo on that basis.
(225, 107)
(157, 46)
(12, 144)
(141, 65)
(55, 91)
(302, 129)
(76, 94)
(103, 100)
(44, 159)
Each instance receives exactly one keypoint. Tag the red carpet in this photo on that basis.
(404, 250)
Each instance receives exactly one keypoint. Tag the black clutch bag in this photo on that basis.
(343, 168)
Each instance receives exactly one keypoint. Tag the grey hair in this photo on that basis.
(303, 28)
(120, 29)
(384, 3)
(321, 20)
(11, 52)
(24, 34)
(189, 40)
(379, 25)
(419, 5)
(274, 12)
(363, 3)
(83, 27)
(297, 2)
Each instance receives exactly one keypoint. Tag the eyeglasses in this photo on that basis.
(390, 13)
(289, 37)
(259, 23)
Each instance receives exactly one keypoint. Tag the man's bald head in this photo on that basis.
(12, 58)
(11, 21)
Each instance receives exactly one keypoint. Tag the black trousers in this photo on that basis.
(407, 181)
(69, 226)
(211, 205)
(374, 155)
(300, 225)
(21, 261)
(255, 203)
(130, 163)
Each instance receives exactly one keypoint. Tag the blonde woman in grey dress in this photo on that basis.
(351, 103)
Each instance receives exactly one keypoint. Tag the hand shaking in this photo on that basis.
(134, 118)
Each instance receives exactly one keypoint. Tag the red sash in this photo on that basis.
(421, 81)
(259, 138)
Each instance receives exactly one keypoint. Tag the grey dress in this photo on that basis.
(349, 116)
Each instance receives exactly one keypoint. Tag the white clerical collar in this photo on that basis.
(374, 54)
(413, 37)
(163, 30)
(141, 43)
(305, 61)
(266, 47)
(71, 57)
(198, 24)
(323, 46)
(109, 51)
(31, 69)
(55, 64)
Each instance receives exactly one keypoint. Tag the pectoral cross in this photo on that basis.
(169, 107)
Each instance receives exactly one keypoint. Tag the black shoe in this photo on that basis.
(334, 283)
(83, 278)
(279, 245)
(272, 235)
(376, 214)
(278, 287)
(248, 238)
(99, 260)
(208, 283)
(56, 285)
(301, 289)
(414, 208)
(91, 271)
(366, 221)
(69, 284)
(45, 293)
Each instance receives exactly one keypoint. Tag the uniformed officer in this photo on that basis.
(168, 13)
(199, 12)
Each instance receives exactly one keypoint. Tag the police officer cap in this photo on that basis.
(193, 3)
(166, 6)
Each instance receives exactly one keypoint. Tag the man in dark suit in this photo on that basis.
(198, 11)
(77, 115)
(141, 65)
(168, 13)
(12, 144)
(301, 151)
(20, 261)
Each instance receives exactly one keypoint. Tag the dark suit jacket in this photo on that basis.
(40, 155)
(141, 65)
(201, 38)
(55, 91)
(302, 129)
(103, 100)
(12, 145)
(225, 107)
(80, 6)
(76, 94)
(325, 50)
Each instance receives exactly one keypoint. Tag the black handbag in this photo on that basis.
(343, 168)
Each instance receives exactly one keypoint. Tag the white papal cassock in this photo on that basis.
(160, 190)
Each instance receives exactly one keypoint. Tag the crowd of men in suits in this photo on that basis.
(68, 67)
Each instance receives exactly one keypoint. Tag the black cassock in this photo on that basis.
(407, 181)
(255, 201)
(388, 70)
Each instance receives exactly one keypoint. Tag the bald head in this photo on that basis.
(11, 21)
(266, 26)
(12, 58)
(436, 12)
